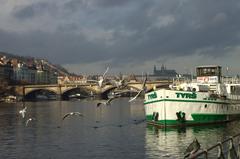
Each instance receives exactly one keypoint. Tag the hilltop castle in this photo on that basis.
(164, 72)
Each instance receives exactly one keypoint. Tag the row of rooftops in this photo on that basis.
(30, 63)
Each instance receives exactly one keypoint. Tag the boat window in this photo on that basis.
(232, 89)
(235, 90)
(203, 88)
(209, 71)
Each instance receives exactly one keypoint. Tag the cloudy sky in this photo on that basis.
(129, 36)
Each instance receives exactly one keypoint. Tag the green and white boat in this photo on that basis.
(208, 100)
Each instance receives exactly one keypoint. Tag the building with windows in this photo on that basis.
(23, 74)
(6, 71)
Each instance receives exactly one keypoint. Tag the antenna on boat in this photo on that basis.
(191, 75)
(227, 74)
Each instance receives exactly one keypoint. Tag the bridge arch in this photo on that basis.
(44, 93)
(74, 91)
(29, 90)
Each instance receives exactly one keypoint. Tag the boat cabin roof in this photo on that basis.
(208, 66)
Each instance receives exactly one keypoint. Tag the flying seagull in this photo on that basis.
(23, 112)
(142, 90)
(29, 120)
(72, 113)
(136, 122)
(101, 78)
(105, 72)
(105, 102)
(119, 82)
(135, 97)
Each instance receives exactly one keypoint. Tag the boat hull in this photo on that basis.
(170, 108)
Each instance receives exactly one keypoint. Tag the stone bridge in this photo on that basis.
(89, 88)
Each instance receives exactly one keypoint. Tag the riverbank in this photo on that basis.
(8, 94)
(8, 99)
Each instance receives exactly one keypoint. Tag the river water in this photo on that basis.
(117, 131)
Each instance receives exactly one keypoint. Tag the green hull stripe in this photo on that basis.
(192, 101)
(174, 123)
(209, 117)
(197, 118)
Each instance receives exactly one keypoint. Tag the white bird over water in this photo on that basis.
(105, 102)
(23, 112)
(140, 91)
(72, 113)
(29, 120)
(105, 72)
(119, 82)
(101, 78)
(100, 82)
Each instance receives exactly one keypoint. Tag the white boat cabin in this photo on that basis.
(210, 79)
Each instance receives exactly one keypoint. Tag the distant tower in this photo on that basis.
(154, 69)
(162, 68)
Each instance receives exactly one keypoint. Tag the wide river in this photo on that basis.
(117, 131)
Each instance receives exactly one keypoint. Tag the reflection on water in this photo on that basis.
(104, 132)
(172, 143)
(115, 131)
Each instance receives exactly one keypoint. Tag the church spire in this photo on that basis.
(162, 68)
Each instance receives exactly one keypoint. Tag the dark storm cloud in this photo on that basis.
(127, 30)
(97, 3)
(59, 48)
(196, 26)
(32, 10)
(112, 3)
(27, 12)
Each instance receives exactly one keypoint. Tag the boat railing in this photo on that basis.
(227, 149)
(233, 80)
(233, 96)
